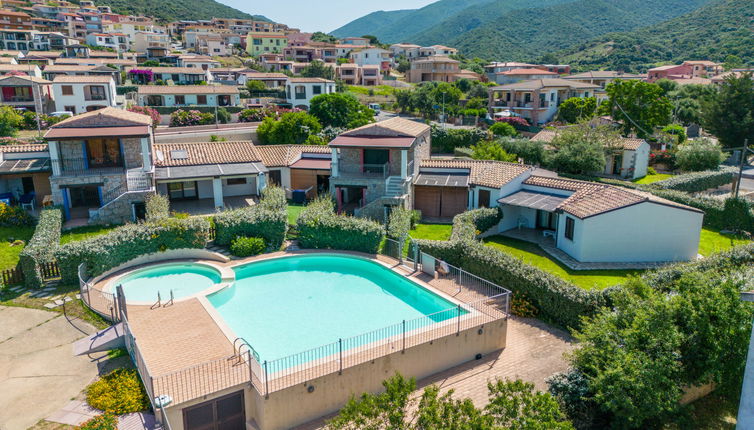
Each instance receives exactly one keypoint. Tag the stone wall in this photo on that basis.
(119, 210)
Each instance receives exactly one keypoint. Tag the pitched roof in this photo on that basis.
(536, 84)
(198, 153)
(485, 173)
(603, 74)
(106, 117)
(310, 81)
(257, 75)
(285, 155)
(67, 68)
(10, 79)
(396, 126)
(590, 198)
(184, 70)
(527, 72)
(188, 89)
(64, 79)
(27, 147)
(26, 68)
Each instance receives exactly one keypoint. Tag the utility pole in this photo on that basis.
(443, 111)
(744, 153)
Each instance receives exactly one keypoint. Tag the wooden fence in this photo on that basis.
(15, 276)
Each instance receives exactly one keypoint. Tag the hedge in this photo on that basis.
(125, 89)
(470, 224)
(102, 253)
(558, 301)
(267, 220)
(41, 247)
(320, 228)
(698, 181)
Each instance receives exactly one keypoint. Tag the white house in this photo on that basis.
(371, 57)
(116, 41)
(577, 220)
(628, 160)
(301, 91)
(79, 94)
(408, 50)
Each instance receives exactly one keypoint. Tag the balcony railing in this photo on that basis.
(18, 99)
(95, 97)
(83, 166)
(346, 170)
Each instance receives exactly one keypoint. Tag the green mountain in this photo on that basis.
(521, 30)
(177, 9)
(713, 32)
(400, 25)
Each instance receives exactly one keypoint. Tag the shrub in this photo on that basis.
(320, 228)
(463, 152)
(698, 181)
(698, 155)
(446, 140)
(662, 157)
(676, 130)
(102, 253)
(41, 247)
(490, 150)
(184, 118)
(223, 116)
(522, 307)
(106, 421)
(531, 151)
(254, 115)
(651, 171)
(157, 207)
(125, 89)
(399, 223)
(14, 216)
(470, 224)
(247, 246)
(267, 220)
(10, 121)
(251, 222)
(517, 122)
(293, 128)
(558, 301)
(144, 110)
(119, 392)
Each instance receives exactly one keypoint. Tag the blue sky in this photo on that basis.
(320, 15)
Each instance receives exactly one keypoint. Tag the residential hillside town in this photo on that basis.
(234, 224)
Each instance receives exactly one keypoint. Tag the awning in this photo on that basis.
(443, 180)
(75, 132)
(312, 164)
(209, 170)
(28, 165)
(373, 142)
(528, 199)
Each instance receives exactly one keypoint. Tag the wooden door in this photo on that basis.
(453, 201)
(427, 200)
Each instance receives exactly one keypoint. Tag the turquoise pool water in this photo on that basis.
(184, 279)
(290, 305)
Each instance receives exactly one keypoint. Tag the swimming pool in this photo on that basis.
(184, 279)
(288, 305)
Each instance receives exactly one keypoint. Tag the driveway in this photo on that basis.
(38, 372)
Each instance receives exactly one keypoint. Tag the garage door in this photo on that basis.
(224, 413)
(427, 200)
(444, 202)
(453, 201)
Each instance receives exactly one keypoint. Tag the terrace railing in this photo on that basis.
(104, 304)
(480, 302)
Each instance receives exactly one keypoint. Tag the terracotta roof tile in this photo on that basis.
(29, 147)
(188, 89)
(392, 127)
(285, 155)
(107, 117)
(492, 174)
(198, 153)
(310, 81)
(590, 198)
(82, 79)
(184, 70)
(547, 136)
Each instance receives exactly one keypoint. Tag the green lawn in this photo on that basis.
(713, 241)
(85, 232)
(534, 255)
(652, 178)
(293, 212)
(8, 253)
(431, 231)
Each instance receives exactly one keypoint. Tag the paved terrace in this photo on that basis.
(184, 336)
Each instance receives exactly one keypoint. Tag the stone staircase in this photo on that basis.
(394, 187)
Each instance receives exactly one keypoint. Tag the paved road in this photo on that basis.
(38, 372)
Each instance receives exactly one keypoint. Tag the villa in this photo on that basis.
(79, 94)
(178, 75)
(188, 95)
(301, 91)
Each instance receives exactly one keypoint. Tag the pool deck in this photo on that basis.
(185, 335)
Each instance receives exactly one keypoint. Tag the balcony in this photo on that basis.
(95, 97)
(18, 99)
(371, 171)
(83, 166)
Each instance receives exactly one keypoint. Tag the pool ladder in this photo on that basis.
(158, 303)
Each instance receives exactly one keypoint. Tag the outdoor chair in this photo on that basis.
(27, 201)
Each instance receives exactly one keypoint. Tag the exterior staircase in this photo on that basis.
(394, 187)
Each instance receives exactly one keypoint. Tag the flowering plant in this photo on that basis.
(152, 113)
(184, 118)
(145, 75)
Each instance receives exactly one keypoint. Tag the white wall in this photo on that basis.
(639, 233)
(641, 162)
(250, 187)
(78, 100)
(204, 189)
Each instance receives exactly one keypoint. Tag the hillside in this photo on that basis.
(177, 9)
(401, 25)
(712, 32)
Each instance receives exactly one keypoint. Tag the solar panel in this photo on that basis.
(179, 154)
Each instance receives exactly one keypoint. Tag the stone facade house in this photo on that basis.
(102, 165)
(373, 166)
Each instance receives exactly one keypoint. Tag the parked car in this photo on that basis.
(375, 107)
(62, 113)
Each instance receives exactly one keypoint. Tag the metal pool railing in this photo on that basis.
(104, 304)
(480, 302)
